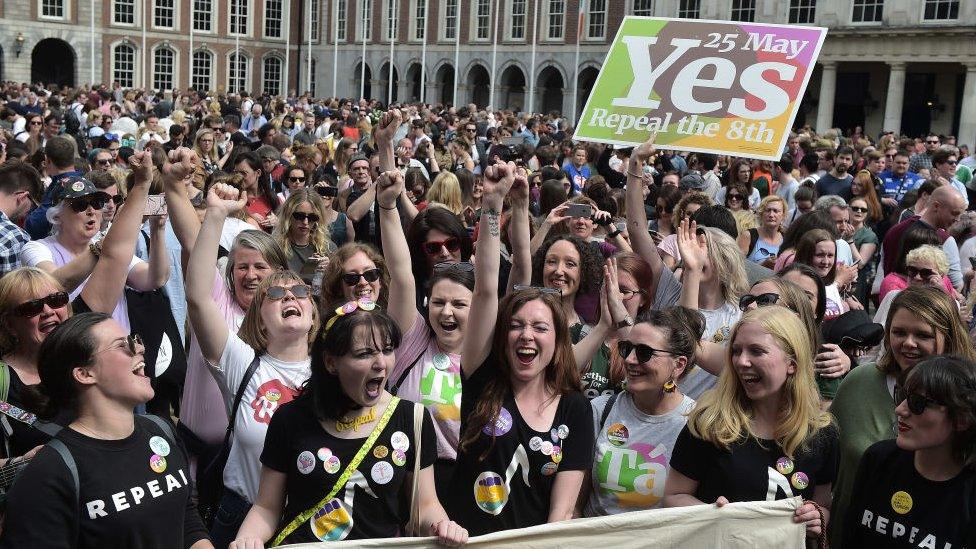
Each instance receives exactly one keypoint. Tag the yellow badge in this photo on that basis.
(901, 502)
(380, 452)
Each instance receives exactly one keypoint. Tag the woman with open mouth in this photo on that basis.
(760, 435)
(129, 473)
(265, 362)
(922, 322)
(920, 489)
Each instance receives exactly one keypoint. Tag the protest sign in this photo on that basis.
(743, 525)
(724, 87)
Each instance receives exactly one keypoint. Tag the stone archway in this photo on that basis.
(513, 89)
(367, 88)
(53, 62)
(550, 90)
(445, 83)
(384, 83)
(413, 82)
(584, 84)
(478, 82)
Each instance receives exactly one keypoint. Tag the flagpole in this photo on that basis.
(92, 42)
(457, 51)
(423, 57)
(362, 73)
(308, 81)
(142, 73)
(189, 66)
(335, 48)
(494, 56)
(287, 46)
(237, 46)
(535, 32)
(579, 32)
(392, 34)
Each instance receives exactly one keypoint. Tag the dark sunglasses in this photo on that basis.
(644, 352)
(92, 201)
(761, 300)
(452, 244)
(107, 162)
(461, 267)
(300, 291)
(731, 197)
(302, 216)
(932, 142)
(858, 209)
(912, 272)
(916, 403)
(32, 308)
(296, 179)
(327, 192)
(371, 275)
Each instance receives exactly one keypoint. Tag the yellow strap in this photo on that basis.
(305, 516)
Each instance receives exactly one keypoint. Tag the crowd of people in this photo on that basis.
(234, 321)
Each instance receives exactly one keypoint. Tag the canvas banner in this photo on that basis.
(737, 525)
(723, 87)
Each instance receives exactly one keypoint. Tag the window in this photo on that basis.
(365, 21)
(341, 6)
(516, 27)
(237, 73)
(124, 65)
(867, 11)
(200, 78)
(316, 19)
(391, 20)
(272, 75)
(689, 9)
(483, 19)
(557, 19)
(203, 15)
(939, 10)
(744, 10)
(450, 19)
(802, 11)
(644, 8)
(164, 60)
(164, 13)
(272, 18)
(419, 21)
(238, 17)
(53, 9)
(124, 12)
(597, 21)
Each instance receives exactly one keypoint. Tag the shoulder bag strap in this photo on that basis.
(607, 408)
(162, 424)
(251, 368)
(4, 381)
(395, 389)
(353, 464)
(23, 416)
(413, 527)
(69, 462)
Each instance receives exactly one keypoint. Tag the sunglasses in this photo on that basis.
(32, 308)
(761, 300)
(452, 244)
(92, 201)
(447, 266)
(916, 403)
(731, 197)
(299, 291)
(370, 275)
(296, 179)
(932, 142)
(858, 209)
(133, 345)
(550, 291)
(302, 216)
(925, 274)
(106, 162)
(327, 192)
(36, 123)
(644, 352)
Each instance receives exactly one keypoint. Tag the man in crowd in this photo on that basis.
(898, 179)
(59, 154)
(838, 181)
(253, 122)
(923, 160)
(944, 162)
(20, 190)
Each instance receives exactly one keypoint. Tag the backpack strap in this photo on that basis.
(162, 424)
(607, 408)
(251, 368)
(395, 388)
(753, 240)
(69, 462)
(4, 381)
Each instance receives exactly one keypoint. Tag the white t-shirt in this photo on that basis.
(274, 383)
(718, 328)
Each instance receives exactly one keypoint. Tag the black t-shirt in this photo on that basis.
(894, 506)
(511, 486)
(23, 437)
(129, 497)
(756, 470)
(313, 460)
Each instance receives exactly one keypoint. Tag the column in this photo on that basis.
(967, 122)
(895, 98)
(828, 87)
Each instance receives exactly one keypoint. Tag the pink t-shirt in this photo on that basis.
(669, 245)
(433, 380)
(895, 281)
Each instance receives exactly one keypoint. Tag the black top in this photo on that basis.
(24, 438)
(313, 460)
(511, 486)
(894, 506)
(754, 469)
(124, 501)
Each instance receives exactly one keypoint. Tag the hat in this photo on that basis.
(855, 328)
(692, 182)
(267, 151)
(356, 158)
(74, 187)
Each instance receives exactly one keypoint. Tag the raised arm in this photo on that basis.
(403, 287)
(555, 216)
(207, 321)
(693, 255)
(383, 134)
(518, 232)
(477, 342)
(612, 311)
(182, 217)
(640, 239)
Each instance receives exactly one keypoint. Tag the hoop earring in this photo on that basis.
(670, 386)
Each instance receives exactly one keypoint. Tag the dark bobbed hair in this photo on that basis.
(815, 219)
(68, 346)
(681, 326)
(916, 235)
(812, 274)
(951, 381)
(591, 262)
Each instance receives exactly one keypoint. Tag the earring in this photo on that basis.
(670, 386)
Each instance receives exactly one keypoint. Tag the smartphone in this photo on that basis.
(308, 269)
(856, 263)
(621, 226)
(579, 210)
(155, 205)
(327, 191)
(654, 233)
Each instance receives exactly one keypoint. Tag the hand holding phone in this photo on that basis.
(579, 210)
(155, 205)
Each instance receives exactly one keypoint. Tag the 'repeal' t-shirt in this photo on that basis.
(508, 484)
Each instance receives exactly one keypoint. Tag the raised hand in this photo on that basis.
(387, 126)
(645, 151)
(389, 186)
(142, 167)
(519, 192)
(558, 214)
(498, 180)
(694, 253)
(181, 163)
(225, 199)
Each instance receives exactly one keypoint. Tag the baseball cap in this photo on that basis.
(74, 187)
(356, 158)
(692, 182)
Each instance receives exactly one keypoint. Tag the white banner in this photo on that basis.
(737, 525)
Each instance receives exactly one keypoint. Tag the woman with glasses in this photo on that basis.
(926, 265)
(922, 322)
(735, 200)
(636, 429)
(740, 172)
(664, 206)
(920, 489)
(355, 271)
(268, 356)
(866, 241)
(303, 235)
(916, 236)
(761, 245)
(438, 236)
(294, 180)
(129, 485)
(206, 150)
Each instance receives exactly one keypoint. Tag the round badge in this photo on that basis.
(305, 463)
(800, 480)
(273, 395)
(157, 463)
(324, 453)
(366, 304)
(562, 431)
(332, 465)
(490, 492)
(784, 465)
(535, 443)
(380, 452)
(901, 502)
(546, 448)
(77, 186)
(159, 446)
(617, 434)
(557, 454)
(549, 469)
(399, 441)
(382, 472)
(554, 435)
(501, 425)
(399, 457)
(348, 308)
(442, 361)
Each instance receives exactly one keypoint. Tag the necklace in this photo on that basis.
(356, 422)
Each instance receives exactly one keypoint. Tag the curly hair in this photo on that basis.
(591, 262)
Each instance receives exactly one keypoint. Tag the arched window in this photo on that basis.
(202, 71)
(271, 75)
(237, 77)
(164, 65)
(124, 65)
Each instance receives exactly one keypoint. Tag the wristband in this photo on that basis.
(382, 207)
(614, 234)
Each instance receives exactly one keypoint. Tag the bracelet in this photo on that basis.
(614, 234)
(638, 176)
(382, 207)
(822, 538)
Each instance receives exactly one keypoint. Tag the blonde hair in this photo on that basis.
(252, 329)
(213, 150)
(723, 416)
(21, 284)
(727, 261)
(769, 199)
(931, 254)
(446, 190)
(320, 237)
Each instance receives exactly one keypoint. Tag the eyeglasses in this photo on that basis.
(452, 244)
(925, 274)
(296, 179)
(761, 300)
(117, 199)
(32, 308)
(460, 266)
(470, 129)
(936, 142)
(302, 216)
(731, 197)
(363, 304)
(217, 130)
(96, 201)
(644, 352)
(858, 209)
(543, 289)
(206, 140)
(133, 345)
(370, 275)
(627, 293)
(104, 162)
(36, 123)
(916, 403)
(952, 162)
(299, 291)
